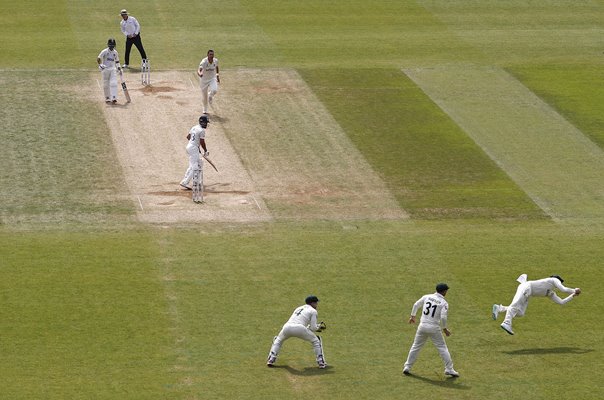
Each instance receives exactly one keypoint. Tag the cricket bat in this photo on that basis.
(211, 163)
(124, 87)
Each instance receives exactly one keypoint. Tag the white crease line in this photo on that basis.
(192, 85)
(257, 205)
(98, 83)
(140, 203)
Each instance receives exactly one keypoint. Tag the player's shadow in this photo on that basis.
(550, 350)
(308, 371)
(449, 383)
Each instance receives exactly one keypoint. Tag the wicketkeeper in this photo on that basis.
(303, 325)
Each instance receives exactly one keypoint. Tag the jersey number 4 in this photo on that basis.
(428, 307)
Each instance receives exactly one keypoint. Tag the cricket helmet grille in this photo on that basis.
(204, 120)
(111, 43)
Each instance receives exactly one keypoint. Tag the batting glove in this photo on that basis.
(102, 66)
(207, 153)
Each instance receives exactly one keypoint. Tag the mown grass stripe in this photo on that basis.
(557, 166)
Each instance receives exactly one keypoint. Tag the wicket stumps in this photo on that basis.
(198, 185)
(146, 72)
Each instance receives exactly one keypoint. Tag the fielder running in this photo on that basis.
(209, 78)
(196, 139)
(527, 289)
(109, 61)
(432, 325)
(303, 325)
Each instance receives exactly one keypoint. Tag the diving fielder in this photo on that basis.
(196, 139)
(540, 288)
(209, 78)
(303, 325)
(432, 325)
(109, 62)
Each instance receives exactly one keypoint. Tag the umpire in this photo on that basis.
(132, 29)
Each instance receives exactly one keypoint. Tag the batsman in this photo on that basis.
(196, 144)
(109, 61)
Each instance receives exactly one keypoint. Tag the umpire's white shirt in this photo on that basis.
(434, 310)
(304, 315)
(130, 26)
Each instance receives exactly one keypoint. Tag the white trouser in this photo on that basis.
(195, 163)
(210, 86)
(519, 303)
(109, 83)
(301, 332)
(425, 332)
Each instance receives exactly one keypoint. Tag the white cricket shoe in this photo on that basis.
(271, 361)
(507, 328)
(407, 371)
(452, 372)
(322, 365)
(185, 186)
(125, 66)
(495, 311)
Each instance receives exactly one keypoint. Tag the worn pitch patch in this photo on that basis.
(279, 152)
(548, 157)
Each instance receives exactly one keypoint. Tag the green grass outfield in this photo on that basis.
(96, 305)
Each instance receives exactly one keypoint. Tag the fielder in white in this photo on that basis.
(540, 288)
(196, 144)
(303, 325)
(432, 325)
(109, 62)
(209, 78)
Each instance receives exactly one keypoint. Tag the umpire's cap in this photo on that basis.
(441, 287)
(124, 12)
(557, 277)
(312, 299)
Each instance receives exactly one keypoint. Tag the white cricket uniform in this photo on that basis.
(208, 82)
(302, 324)
(195, 161)
(433, 320)
(540, 288)
(110, 59)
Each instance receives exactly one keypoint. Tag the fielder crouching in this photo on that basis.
(109, 62)
(303, 325)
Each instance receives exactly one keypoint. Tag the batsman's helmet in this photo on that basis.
(312, 299)
(557, 277)
(441, 287)
(111, 43)
(204, 120)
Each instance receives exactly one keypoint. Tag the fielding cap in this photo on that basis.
(441, 287)
(557, 277)
(124, 12)
(312, 299)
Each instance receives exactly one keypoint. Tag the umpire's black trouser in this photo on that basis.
(139, 45)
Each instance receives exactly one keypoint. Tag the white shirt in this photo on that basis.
(434, 310)
(208, 70)
(197, 133)
(304, 315)
(546, 286)
(109, 57)
(130, 26)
